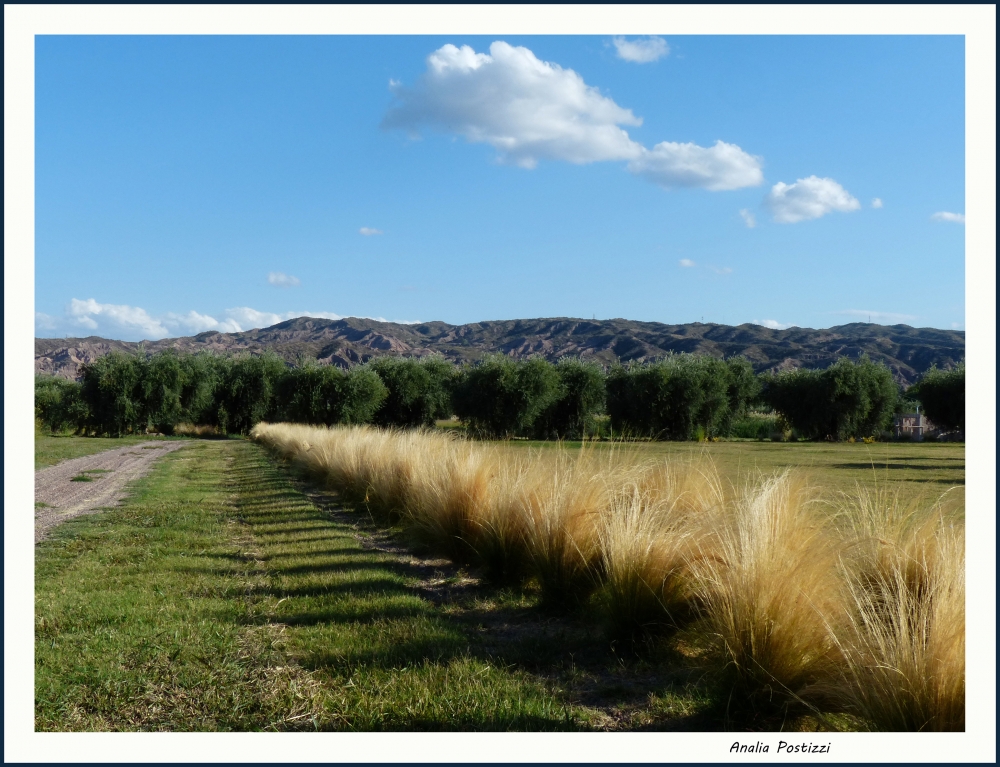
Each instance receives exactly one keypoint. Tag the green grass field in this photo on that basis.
(222, 596)
(834, 467)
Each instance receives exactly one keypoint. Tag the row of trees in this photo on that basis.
(681, 397)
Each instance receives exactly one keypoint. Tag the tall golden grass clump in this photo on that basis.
(653, 531)
(768, 590)
(904, 643)
(860, 609)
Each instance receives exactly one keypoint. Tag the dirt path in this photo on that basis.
(58, 496)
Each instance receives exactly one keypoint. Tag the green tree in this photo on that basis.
(324, 394)
(941, 393)
(162, 388)
(112, 388)
(246, 394)
(848, 399)
(59, 406)
(500, 398)
(676, 398)
(418, 390)
(581, 396)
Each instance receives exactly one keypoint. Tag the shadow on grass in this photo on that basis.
(411, 611)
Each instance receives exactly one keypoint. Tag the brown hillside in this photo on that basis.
(907, 351)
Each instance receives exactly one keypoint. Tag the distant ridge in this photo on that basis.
(907, 351)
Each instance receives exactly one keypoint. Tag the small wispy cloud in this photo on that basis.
(877, 202)
(368, 231)
(282, 280)
(686, 262)
(721, 269)
(748, 218)
(772, 324)
(868, 315)
(641, 50)
(954, 218)
(808, 198)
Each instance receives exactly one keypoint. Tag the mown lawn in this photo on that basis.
(220, 597)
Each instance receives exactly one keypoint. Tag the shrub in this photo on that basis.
(58, 404)
(324, 394)
(246, 394)
(670, 399)
(580, 398)
(942, 395)
(112, 388)
(848, 399)
(162, 388)
(501, 398)
(417, 390)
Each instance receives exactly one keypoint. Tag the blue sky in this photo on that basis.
(194, 183)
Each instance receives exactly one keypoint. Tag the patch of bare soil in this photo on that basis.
(92, 482)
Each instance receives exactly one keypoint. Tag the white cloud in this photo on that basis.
(120, 317)
(44, 321)
(282, 280)
(748, 218)
(773, 324)
(892, 318)
(808, 198)
(943, 215)
(525, 108)
(721, 270)
(686, 262)
(717, 168)
(877, 202)
(641, 50)
(368, 232)
(531, 110)
(195, 323)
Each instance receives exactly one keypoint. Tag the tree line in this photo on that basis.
(681, 397)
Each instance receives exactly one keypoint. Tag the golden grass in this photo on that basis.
(855, 607)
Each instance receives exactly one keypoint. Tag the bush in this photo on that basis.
(501, 398)
(58, 404)
(580, 398)
(112, 388)
(671, 399)
(246, 394)
(417, 390)
(324, 394)
(162, 388)
(848, 399)
(941, 393)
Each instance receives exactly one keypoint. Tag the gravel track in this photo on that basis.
(58, 497)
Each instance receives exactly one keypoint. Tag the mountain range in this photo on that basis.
(907, 351)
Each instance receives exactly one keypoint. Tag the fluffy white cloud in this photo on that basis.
(195, 323)
(808, 198)
(282, 280)
(531, 110)
(641, 50)
(368, 232)
(120, 317)
(525, 108)
(686, 262)
(892, 318)
(773, 324)
(943, 215)
(716, 168)
(748, 218)
(877, 202)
